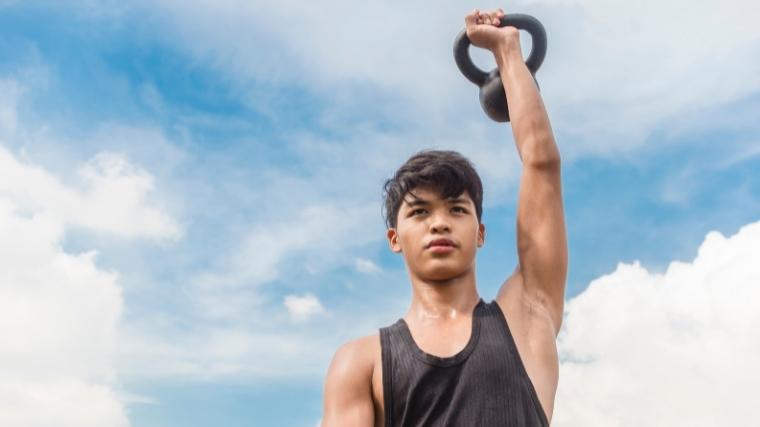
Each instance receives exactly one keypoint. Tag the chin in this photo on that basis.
(444, 273)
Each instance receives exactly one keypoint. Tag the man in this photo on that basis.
(454, 360)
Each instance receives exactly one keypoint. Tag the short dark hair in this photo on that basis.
(447, 172)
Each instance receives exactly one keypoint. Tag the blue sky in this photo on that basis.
(217, 160)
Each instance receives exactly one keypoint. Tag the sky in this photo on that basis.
(190, 201)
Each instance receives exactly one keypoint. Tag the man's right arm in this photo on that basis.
(348, 388)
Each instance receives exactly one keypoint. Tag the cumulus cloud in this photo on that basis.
(303, 307)
(59, 311)
(677, 348)
(112, 200)
(58, 319)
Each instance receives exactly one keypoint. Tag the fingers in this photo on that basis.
(478, 17)
(472, 17)
(495, 16)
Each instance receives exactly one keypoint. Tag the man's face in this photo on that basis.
(423, 219)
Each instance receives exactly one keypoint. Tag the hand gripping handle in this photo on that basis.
(517, 20)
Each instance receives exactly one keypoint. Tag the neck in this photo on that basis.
(438, 302)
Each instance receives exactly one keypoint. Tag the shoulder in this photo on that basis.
(348, 396)
(356, 352)
(354, 360)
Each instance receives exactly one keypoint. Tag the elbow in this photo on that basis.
(544, 162)
(541, 153)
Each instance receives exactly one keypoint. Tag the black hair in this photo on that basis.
(447, 172)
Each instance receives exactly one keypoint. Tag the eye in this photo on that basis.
(414, 212)
(460, 208)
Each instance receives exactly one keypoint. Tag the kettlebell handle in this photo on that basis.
(517, 20)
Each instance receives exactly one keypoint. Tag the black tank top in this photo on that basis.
(483, 385)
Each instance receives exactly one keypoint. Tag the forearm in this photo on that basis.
(530, 122)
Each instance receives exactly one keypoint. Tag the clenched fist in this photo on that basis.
(484, 31)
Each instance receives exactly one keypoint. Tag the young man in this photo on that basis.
(454, 360)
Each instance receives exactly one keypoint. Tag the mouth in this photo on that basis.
(441, 245)
(440, 248)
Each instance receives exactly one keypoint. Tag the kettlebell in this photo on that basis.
(493, 99)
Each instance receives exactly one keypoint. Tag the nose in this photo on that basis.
(439, 224)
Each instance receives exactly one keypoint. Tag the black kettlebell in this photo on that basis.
(492, 96)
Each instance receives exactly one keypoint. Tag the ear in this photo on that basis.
(392, 236)
(481, 235)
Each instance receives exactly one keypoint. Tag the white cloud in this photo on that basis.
(679, 348)
(314, 238)
(65, 402)
(112, 200)
(369, 47)
(610, 72)
(746, 151)
(294, 233)
(320, 234)
(267, 345)
(58, 319)
(303, 307)
(357, 166)
(610, 78)
(366, 266)
(59, 312)
(229, 352)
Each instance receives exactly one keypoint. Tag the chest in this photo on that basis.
(540, 369)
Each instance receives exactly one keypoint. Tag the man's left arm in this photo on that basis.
(541, 235)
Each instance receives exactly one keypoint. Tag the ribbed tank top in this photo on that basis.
(484, 385)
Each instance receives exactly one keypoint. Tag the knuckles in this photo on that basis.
(484, 30)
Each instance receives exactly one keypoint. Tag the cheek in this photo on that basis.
(405, 235)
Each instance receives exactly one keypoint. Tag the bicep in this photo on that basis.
(348, 389)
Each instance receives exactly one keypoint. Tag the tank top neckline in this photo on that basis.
(450, 360)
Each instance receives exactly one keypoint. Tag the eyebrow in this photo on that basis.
(423, 202)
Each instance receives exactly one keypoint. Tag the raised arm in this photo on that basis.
(541, 235)
(348, 388)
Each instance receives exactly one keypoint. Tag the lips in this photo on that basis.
(441, 242)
